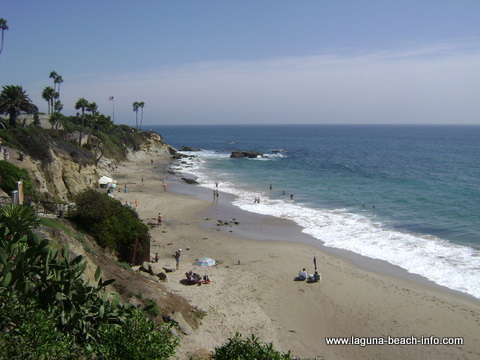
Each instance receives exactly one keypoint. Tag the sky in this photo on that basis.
(251, 62)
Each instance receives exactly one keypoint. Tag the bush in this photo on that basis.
(11, 174)
(247, 349)
(33, 141)
(28, 332)
(47, 310)
(113, 225)
(146, 340)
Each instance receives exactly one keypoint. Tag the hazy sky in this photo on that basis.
(251, 62)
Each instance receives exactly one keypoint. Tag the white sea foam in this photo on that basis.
(454, 266)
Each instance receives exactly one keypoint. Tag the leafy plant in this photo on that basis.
(113, 225)
(146, 340)
(33, 141)
(151, 308)
(238, 348)
(10, 175)
(68, 312)
(35, 329)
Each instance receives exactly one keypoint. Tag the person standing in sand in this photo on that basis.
(159, 219)
(178, 254)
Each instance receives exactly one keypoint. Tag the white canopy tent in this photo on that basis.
(104, 180)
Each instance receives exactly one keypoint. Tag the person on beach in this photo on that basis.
(291, 196)
(178, 254)
(302, 275)
(315, 262)
(159, 219)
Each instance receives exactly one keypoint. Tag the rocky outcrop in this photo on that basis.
(190, 181)
(187, 148)
(247, 154)
(63, 177)
(152, 147)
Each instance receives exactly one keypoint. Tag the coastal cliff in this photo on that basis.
(71, 169)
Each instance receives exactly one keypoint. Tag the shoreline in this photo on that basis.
(253, 288)
(276, 229)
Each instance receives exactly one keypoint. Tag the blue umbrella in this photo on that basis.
(205, 262)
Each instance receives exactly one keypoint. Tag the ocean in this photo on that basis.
(408, 195)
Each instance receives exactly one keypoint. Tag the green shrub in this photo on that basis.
(33, 141)
(47, 310)
(247, 349)
(29, 332)
(137, 338)
(11, 174)
(151, 308)
(113, 225)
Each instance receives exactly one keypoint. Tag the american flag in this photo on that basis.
(110, 98)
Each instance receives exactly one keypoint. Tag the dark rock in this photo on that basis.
(247, 154)
(147, 267)
(162, 276)
(187, 148)
(190, 181)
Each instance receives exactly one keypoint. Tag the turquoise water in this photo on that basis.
(405, 194)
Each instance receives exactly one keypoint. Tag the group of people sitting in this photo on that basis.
(303, 275)
(195, 278)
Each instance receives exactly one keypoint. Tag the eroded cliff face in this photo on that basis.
(62, 178)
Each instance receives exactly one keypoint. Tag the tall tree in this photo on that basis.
(48, 94)
(136, 106)
(141, 104)
(3, 27)
(92, 107)
(53, 75)
(58, 80)
(55, 119)
(58, 106)
(81, 104)
(13, 101)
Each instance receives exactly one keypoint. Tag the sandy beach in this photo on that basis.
(253, 288)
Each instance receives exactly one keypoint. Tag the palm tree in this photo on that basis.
(58, 106)
(13, 101)
(48, 95)
(58, 80)
(141, 104)
(92, 107)
(55, 119)
(3, 27)
(82, 103)
(53, 75)
(136, 106)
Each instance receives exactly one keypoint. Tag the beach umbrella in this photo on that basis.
(205, 262)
